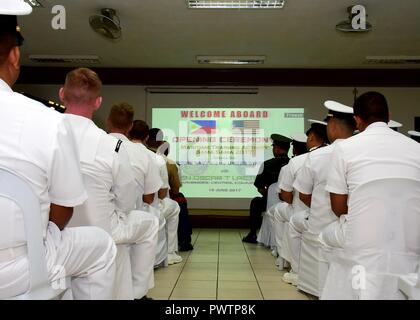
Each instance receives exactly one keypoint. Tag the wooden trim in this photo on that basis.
(235, 77)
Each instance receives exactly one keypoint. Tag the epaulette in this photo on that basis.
(118, 147)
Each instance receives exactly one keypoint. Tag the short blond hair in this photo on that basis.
(82, 86)
(121, 115)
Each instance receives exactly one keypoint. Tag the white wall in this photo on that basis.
(404, 105)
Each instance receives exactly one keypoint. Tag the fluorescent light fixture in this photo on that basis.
(236, 4)
(34, 3)
(75, 59)
(231, 60)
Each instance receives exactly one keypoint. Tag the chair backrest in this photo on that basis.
(16, 189)
(383, 223)
(272, 195)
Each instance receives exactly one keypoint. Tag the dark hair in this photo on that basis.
(372, 107)
(155, 138)
(7, 43)
(319, 131)
(349, 123)
(299, 148)
(140, 130)
(10, 37)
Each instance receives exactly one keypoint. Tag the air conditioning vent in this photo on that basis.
(393, 59)
(71, 59)
(231, 60)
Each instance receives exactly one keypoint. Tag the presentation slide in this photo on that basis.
(220, 151)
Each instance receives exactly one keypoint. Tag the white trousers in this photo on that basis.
(334, 234)
(86, 254)
(170, 210)
(292, 238)
(139, 231)
(161, 252)
(281, 214)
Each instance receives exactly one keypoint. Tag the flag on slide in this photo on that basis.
(203, 126)
(245, 126)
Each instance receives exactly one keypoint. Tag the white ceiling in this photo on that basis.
(165, 34)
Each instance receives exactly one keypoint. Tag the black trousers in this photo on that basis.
(257, 207)
(184, 225)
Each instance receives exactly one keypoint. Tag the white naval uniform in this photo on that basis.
(378, 152)
(169, 208)
(113, 191)
(148, 182)
(312, 180)
(283, 211)
(37, 144)
(162, 246)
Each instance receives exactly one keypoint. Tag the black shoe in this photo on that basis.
(186, 247)
(250, 239)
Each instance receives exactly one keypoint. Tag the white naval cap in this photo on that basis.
(299, 137)
(15, 7)
(312, 121)
(414, 133)
(394, 124)
(337, 109)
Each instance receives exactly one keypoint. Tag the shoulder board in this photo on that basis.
(118, 147)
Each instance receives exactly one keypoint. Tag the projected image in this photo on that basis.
(220, 151)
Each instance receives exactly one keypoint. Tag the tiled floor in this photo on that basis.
(221, 267)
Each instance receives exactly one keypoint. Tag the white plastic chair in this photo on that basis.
(382, 241)
(409, 285)
(17, 190)
(266, 235)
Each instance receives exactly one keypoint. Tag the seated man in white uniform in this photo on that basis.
(312, 178)
(377, 152)
(36, 143)
(109, 180)
(119, 123)
(170, 209)
(361, 159)
(299, 149)
(296, 212)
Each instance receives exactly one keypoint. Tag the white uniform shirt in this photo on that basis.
(37, 144)
(312, 179)
(147, 173)
(107, 173)
(378, 152)
(160, 166)
(287, 177)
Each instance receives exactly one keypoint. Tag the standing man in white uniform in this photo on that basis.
(109, 180)
(376, 152)
(36, 143)
(170, 209)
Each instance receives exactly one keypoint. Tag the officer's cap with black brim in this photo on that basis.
(415, 135)
(338, 110)
(299, 138)
(9, 10)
